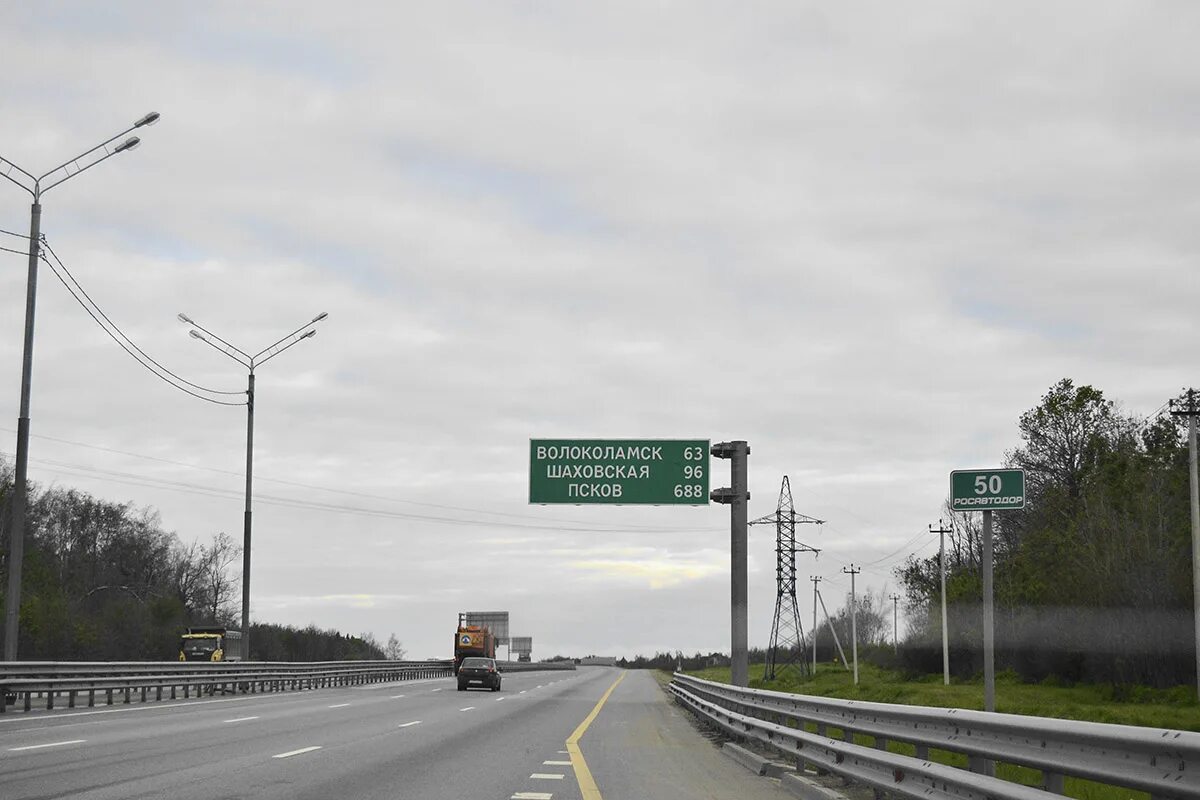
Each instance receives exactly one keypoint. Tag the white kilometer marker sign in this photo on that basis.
(40, 746)
(241, 719)
(291, 753)
(410, 724)
(340, 705)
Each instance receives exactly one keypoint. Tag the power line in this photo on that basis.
(208, 491)
(365, 495)
(90, 304)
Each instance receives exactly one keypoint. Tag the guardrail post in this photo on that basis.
(981, 765)
(92, 697)
(50, 700)
(108, 695)
(1054, 782)
(28, 700)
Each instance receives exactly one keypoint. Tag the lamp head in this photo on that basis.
(309, 335)
(128, 144)
(195, 335)
(149, 119)
(184, 318)
(321, 316)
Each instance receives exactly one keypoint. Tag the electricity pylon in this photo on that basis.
(786, 650)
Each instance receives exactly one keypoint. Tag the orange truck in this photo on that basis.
(472, 640)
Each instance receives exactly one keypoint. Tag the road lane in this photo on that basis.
(374, 743)
(176, 749)
(642, 739)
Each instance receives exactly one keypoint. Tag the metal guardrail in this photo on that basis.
(1165, 763)
(23, 681)
(52, 680)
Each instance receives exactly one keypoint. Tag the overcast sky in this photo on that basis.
(862, 236)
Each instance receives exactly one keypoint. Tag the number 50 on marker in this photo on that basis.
(987, 489)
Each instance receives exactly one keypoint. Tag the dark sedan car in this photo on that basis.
(480, 672)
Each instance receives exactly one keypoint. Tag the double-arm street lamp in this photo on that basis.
(251, 363)
(37, 186)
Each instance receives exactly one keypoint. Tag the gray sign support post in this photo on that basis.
(736, 497)
(989, 619)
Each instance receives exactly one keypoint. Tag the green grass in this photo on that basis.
(1153, 708)
(1171, 708)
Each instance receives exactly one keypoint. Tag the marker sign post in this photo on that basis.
(619, 471)
(988, 490)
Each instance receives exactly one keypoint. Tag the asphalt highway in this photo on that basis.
(414, 739)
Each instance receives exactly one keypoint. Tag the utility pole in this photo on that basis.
(1190, 412)
(785, 649)
(736, 497)
(895, 624)
(941, 531)
(833, 631)
(36, 186)
(852, 571)
(815, 580)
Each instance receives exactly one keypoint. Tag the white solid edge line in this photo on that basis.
(340, 705)
(241, 719)
(546, 776)
(40, 746)
(298, 752)
(410, 724)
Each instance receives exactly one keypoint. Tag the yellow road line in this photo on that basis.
(587, 785)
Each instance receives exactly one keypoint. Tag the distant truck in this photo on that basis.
(524, 658)
(213, 643)
(472, 640)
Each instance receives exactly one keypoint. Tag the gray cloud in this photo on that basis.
(864, 239)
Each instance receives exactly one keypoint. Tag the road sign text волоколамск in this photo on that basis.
(987, 489)
(619, 471)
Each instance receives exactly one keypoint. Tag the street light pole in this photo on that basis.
(36, 187)
(250, 362)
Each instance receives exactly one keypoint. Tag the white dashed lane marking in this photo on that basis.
(340, 705)
(498, 699)
(532, 796)
(41, 746)
(397, 696)
(468, 708)
(241, 719)
(556, 763)
(301, 751)
(410, 724)
(546, 776)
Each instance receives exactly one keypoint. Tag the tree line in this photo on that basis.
(1093, 579)
(105, 581)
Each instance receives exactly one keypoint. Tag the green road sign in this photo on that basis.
(987, 489)
(619, 471)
